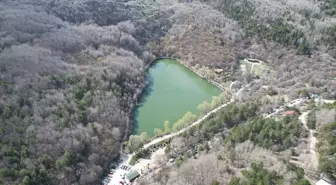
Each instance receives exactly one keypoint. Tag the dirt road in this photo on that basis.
(311, 140)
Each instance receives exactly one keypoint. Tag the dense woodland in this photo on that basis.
(71, 73)
(268, 133)
(327, 149)
(211, 154)
(296, 39)
(258, 175)
(251, 139)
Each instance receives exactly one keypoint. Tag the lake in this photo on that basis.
(173, 90)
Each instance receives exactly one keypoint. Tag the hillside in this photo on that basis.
(70, 77)
(294, 38)
(256, 150)
(71, 72)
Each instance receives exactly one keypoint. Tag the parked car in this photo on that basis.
(106, 181)
(113, 166)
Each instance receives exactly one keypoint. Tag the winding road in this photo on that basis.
(160, 139)
(311, 139)
(171, 135)
(282, 108)
(303, 119)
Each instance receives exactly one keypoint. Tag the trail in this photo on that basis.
(308, 161)
(160, 139)
(282, 108)
(291, 103)
(311, 140)
(302, 118)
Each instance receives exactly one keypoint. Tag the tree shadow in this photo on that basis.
(148, 90)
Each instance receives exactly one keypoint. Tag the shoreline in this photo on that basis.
(147, 67)
(194, 71)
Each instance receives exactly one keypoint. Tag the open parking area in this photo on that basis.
(120, 175)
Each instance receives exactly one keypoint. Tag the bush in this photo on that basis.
(214, 182)
(258, 175)
(178, 161)
(311, 120)
(136, 141)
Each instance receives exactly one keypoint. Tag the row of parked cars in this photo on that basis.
(112, 171)
(125, 167)
(109, 177)
(106, 180)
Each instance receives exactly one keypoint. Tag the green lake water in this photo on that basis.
(173, 90)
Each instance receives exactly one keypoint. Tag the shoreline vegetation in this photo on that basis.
(147, 67)
(229, 116)
(188, 118)
(72, 72)
(180, 61)
(135, 142)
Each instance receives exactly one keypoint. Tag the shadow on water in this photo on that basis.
(143, 98)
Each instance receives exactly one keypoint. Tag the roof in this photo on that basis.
(290, 112)
(132, 175)
(322, 182)
(118, 176)
(253, 60)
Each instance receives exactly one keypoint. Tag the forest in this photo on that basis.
(268, 133)
(258, 175)
(70, 77)
(326, 148)
(294, 38)
(71, 72)
(256, 150)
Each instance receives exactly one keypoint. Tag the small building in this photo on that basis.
(322, 182)
(131, 176)
(290, 113)
(253, 60)
(325, 180)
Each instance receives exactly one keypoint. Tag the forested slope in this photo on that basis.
(296, 39)
(71, 72)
